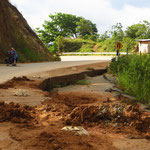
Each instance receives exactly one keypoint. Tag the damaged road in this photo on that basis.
(32, 119)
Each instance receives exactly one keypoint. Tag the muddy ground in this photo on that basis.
(32, 119)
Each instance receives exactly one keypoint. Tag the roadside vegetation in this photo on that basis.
(71, 33)
(133, 75)
(82, 82)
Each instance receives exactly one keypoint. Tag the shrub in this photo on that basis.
(74, 45)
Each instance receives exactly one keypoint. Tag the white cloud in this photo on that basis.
(131, 15)
(98, 11)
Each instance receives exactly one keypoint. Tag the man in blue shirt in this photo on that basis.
(15, 56)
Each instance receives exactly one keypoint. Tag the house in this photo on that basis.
(144, 45)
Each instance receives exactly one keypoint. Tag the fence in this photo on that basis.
(92, 53)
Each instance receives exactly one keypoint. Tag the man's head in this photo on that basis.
(12, 48)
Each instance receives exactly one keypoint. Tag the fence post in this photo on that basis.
(117, 55)
(140, 56)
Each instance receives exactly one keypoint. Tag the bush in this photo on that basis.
(133, 75)
(74, 45)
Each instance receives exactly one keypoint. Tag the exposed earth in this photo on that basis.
(32, 119)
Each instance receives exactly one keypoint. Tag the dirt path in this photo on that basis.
(29, 127)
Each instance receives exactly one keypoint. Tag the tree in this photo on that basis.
(65, 25)
(104, 36)
(86, 27)
(139, 31)
(117, 32)
(128, 44)
(60, 24)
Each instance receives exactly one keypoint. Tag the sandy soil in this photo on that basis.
(25, 126)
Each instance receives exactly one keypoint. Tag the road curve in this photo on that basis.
(8, 72)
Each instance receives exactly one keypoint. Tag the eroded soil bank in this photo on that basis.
(32, 119)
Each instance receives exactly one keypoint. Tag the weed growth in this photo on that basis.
(133, 75)
(82, 82)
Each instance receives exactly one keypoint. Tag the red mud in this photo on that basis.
(15, 113)
(40, 128)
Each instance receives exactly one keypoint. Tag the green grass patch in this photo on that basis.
(82, 82)
(133, 75)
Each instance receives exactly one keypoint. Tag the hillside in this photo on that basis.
(15, 32)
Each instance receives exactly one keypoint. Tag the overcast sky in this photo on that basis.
(104, 13)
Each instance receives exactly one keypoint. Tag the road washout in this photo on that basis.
(42, 124)
(104, 117)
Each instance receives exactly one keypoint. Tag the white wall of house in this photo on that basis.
(144, 47)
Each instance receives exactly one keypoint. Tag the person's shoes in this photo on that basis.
(13, 64)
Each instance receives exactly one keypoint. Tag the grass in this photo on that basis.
(82, 82)
(133, 75)
(26, 51)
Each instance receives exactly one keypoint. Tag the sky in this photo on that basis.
(104, 13)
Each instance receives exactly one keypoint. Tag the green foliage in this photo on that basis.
(59, 33)
(117, 32)
(66, 25)
(27, 54)
(139, 31)
(82, 82)
(61, 43)
(86, 47)
(90, 37)
(123, 63)
(86, 27)
(74, 45)
(127, 37)
(60, 24)
(108, 45)
(129, 44)
(24, 51)
(133, 74)
(103, 37)
(53, 48)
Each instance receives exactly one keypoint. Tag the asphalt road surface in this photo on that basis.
(8, 72)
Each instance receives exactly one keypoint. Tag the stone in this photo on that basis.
(74, 69)
(37, 76)
(21, 92)
(77, 129)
